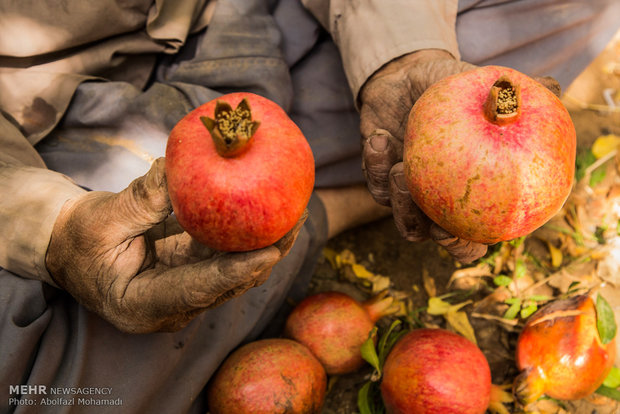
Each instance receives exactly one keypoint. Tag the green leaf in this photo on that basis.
(528, 310)
(387, 341)
(502, 280)
(609, 392)
(520, 269)
(517, 242)
(369, 399)
(613, 378)
(605, 320)
(583, 160)
(513, 310)
(363, 401)
(597, 175)
(539, 298)
(369, 353)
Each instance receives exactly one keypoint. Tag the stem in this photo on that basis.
(503, 105)
(232, 129)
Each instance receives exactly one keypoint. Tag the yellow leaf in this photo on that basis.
(556, 255)
(499, 397)
(380, 283)
(437, 306)
(605, 144)
(460, 323)
(347, 257)
(330, 255)
(429, 283)
(361, 272)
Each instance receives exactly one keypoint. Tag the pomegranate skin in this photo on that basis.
(268, 376)
(434, 371)
(242, 202)
(333, 325)
(481, 179)
(560, 353)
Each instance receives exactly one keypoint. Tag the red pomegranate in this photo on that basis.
(333, 325)
(489, 154)
(432, 371)
(240, 178)
(560, 352)
(268, 376)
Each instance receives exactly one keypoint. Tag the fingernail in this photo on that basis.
(399, 181)
(379, 143)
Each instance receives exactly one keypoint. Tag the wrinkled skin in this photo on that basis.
(123, 257)
(386, 100)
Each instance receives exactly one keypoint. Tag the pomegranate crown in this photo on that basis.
(232, 129)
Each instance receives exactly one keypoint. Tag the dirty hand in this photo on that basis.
(386, 100)
(122, 256)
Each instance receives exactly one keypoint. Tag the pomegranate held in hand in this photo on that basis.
(435, 371)
(333, 325)
(268, 376)
(560, 352)
(239, 179)
(489, 154)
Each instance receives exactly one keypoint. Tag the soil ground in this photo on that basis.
(381, 250)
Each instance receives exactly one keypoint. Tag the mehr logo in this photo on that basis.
(28, 389)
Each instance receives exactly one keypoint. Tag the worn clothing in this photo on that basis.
(90, 90)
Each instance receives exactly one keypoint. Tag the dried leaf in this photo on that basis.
(460, 323)
(499, 397)
(605, 144)
(361, 272)
(331, 256)
(556, 255)
(346, 257)
(438, 306)
(429, 283)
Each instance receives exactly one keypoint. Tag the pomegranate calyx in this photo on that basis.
(528, 386)
(380, 305)
(232, 129)
(503, 104)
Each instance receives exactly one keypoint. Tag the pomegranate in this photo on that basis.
(238, 179)
(560, 353)
(268, 376)
(333, 325)
(489, 154)
(435, 371)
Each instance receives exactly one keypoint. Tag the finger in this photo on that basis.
(286, 242)
(410, 221)
(551, 84)
(145, 201)
(464, 251)
(380, 152)
(198, 285)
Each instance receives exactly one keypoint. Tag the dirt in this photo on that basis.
(380, 249)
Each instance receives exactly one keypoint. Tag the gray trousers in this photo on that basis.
(113, 130)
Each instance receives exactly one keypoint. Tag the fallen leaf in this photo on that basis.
(429, 283)
(459, 321)
(605, 144)
(499, 397)
(556, 255)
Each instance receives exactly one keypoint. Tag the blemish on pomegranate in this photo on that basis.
(465, 199)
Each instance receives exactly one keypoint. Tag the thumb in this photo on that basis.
(145, 202)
